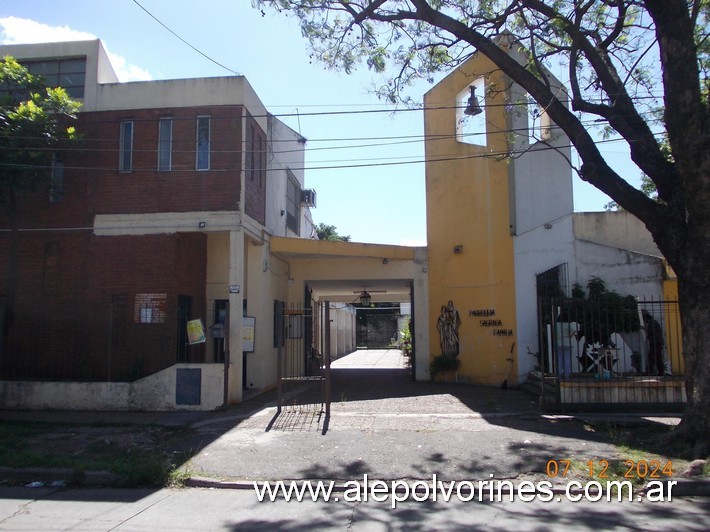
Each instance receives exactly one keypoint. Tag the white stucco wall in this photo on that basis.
(153, 393)
(619, 229)
(285, 151)
(541, 198)
(536, 251)
(540, 174)
(623, 271)
(342, 329)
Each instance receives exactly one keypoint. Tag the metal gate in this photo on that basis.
(304, 359)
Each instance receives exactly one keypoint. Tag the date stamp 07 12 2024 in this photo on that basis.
(632, 469)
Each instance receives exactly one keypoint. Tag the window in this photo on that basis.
(255, 160)
(125, 148)
(203, 143)
(293, 203)
(539, 124)
(56, 181)
(165, 144)
(69, 74)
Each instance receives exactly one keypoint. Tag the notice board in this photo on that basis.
(248, 329)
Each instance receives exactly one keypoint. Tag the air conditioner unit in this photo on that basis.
(308, 197)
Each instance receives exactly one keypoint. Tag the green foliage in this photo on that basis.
(441, 364)
(602, 313)
(596, 287)
(406, 345)
(329, 232)
(34, 123)
(577, 291)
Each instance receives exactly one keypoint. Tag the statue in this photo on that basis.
(448, 326)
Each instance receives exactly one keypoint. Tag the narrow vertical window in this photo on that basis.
(56, 181)
(255, 156)
(125, 149)
(203, 142)
(249, 153)
(165, 144)
(293, 202)
(261, 157)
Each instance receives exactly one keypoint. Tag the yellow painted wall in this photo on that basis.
(468, 206)
(217, 281)
(673, 332)
(350, 265)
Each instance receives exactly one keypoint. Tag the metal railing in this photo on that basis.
(623, 351)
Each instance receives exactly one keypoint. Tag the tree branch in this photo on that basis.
(595, 170)
(622, 115)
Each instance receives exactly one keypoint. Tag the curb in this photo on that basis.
(682, 488)
(36, 477)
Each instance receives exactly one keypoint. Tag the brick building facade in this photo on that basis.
(146, 225)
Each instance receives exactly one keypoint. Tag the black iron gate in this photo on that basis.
(304, 359)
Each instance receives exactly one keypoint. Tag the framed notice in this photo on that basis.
(149, 308)
(195, 332)
(248, 327)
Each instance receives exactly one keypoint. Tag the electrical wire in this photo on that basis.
(395, 140)
(285, 165)
(184, 41)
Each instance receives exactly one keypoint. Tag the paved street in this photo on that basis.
(383, 426)
(370, 358)
(205, 509)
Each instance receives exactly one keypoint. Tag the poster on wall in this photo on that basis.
(195, 332)
(149, 308)
(248, 326)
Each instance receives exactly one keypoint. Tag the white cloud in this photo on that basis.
(22, 31)
(126, 71)
(14, 30)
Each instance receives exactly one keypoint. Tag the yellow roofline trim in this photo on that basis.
(327, 248)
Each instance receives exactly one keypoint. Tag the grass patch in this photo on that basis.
(137, 455)
(645, 451)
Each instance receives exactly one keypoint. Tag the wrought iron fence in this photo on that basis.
(620, 351)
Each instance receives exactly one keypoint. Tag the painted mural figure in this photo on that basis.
(441, 326)
(448, 326)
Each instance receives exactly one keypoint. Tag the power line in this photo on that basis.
(184, 41)
(284, 165)
(95, 115)
(396, 139)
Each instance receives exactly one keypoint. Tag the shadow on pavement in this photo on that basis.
(425, 427)
(489, 516)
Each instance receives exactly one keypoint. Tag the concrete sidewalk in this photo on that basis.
(384, 425)
(206, 509)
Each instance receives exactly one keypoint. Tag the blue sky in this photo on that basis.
(348, 155)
